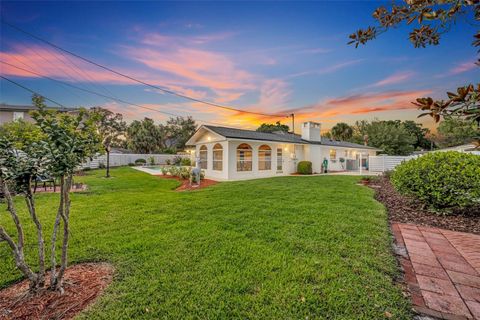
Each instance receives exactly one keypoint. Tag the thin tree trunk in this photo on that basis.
(17, 248)
(53, 261)
(66, 232)
(108, 163)
(41, 244)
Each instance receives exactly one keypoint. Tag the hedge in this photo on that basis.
(441, 179)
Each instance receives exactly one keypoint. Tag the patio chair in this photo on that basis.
(44, 180)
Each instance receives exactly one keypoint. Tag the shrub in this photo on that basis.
(304, 167)
(168, 162)
(442, 180)
(177, 160)
(131, 164)
(186, 162)
(140, 162)
(184, 173)
(101, 165)
(151, 161)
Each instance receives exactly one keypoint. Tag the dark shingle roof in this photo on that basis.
(278, 137)
(10, 107)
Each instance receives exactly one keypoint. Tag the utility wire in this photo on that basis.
(30, 90)
(51, 64)
(96, 93)
(137, 80)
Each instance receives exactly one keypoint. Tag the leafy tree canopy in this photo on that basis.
(342, 131)
(272, 127)
(454, 132)
(21, 133)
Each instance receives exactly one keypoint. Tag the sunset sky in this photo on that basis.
(272, 57)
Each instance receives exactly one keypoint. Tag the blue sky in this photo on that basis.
(272, 57)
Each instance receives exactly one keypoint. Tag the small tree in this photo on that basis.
(110, 127)
(67, 141)
(18, 168)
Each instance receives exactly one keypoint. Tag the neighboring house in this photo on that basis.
(235, 154)
(9, 113)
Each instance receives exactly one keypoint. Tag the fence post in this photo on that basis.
(383, 163)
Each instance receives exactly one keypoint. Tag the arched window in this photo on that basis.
(218, 157)
(264, 157)
(244, 157)
(203, 157)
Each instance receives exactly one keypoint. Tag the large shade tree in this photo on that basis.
(144, 136)
(453, 132)
(177, 132)
(392, 137)
(341, 131)
(429, 20)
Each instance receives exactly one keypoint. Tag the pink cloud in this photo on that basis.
(274, 93)
(159, 39)
(48, 62)
(326, 70)
(463, 67)
(394, 79)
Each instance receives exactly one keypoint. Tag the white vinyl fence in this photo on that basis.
(122, 159)
(384, 163)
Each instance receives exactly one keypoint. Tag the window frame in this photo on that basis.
(279, 160)
(217, 162)
(203, 150)
(264, 158)
(334, 153)
(244, 158)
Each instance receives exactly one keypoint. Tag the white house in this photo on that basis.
(236, 154)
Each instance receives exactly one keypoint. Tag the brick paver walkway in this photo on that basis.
(442, 270)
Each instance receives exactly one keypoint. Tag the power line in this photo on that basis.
(137, 80)
(51, 64)
(96, 93)
(30, 90)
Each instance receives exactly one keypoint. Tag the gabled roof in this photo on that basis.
(234, 133)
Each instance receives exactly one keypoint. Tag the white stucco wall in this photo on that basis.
(291, 155)
(317, 153)
(288, 166)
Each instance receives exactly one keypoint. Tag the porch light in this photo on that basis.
(208, 138)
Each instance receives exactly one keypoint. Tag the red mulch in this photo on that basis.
(83, 283)
(49, 189)
(405, 210)
(186, 183)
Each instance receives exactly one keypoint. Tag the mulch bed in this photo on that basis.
(83, 283)
(186, 183)
(405, 210)
(75, 188)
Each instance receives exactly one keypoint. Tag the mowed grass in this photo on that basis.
(280, 248)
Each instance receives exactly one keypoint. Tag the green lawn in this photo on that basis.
(280, 248)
